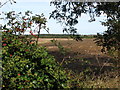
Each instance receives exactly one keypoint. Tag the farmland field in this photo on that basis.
(81, 55)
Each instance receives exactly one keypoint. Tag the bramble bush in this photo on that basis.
(24, 63)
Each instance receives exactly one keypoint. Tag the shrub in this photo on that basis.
(27, 65)
(110, 39)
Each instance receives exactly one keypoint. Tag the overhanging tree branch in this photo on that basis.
(11, 1)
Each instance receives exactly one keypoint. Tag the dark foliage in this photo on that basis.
(68, 13)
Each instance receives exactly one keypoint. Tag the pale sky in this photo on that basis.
(43, 6)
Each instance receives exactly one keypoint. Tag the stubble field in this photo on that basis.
(84, 56)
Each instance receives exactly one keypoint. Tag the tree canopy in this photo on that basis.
(68, 13)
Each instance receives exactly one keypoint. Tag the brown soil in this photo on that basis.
(79, 55)
(82, 56)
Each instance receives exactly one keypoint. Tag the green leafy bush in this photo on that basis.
(33, 68)
(27, 65)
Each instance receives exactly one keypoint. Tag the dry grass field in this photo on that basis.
(85, 56)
